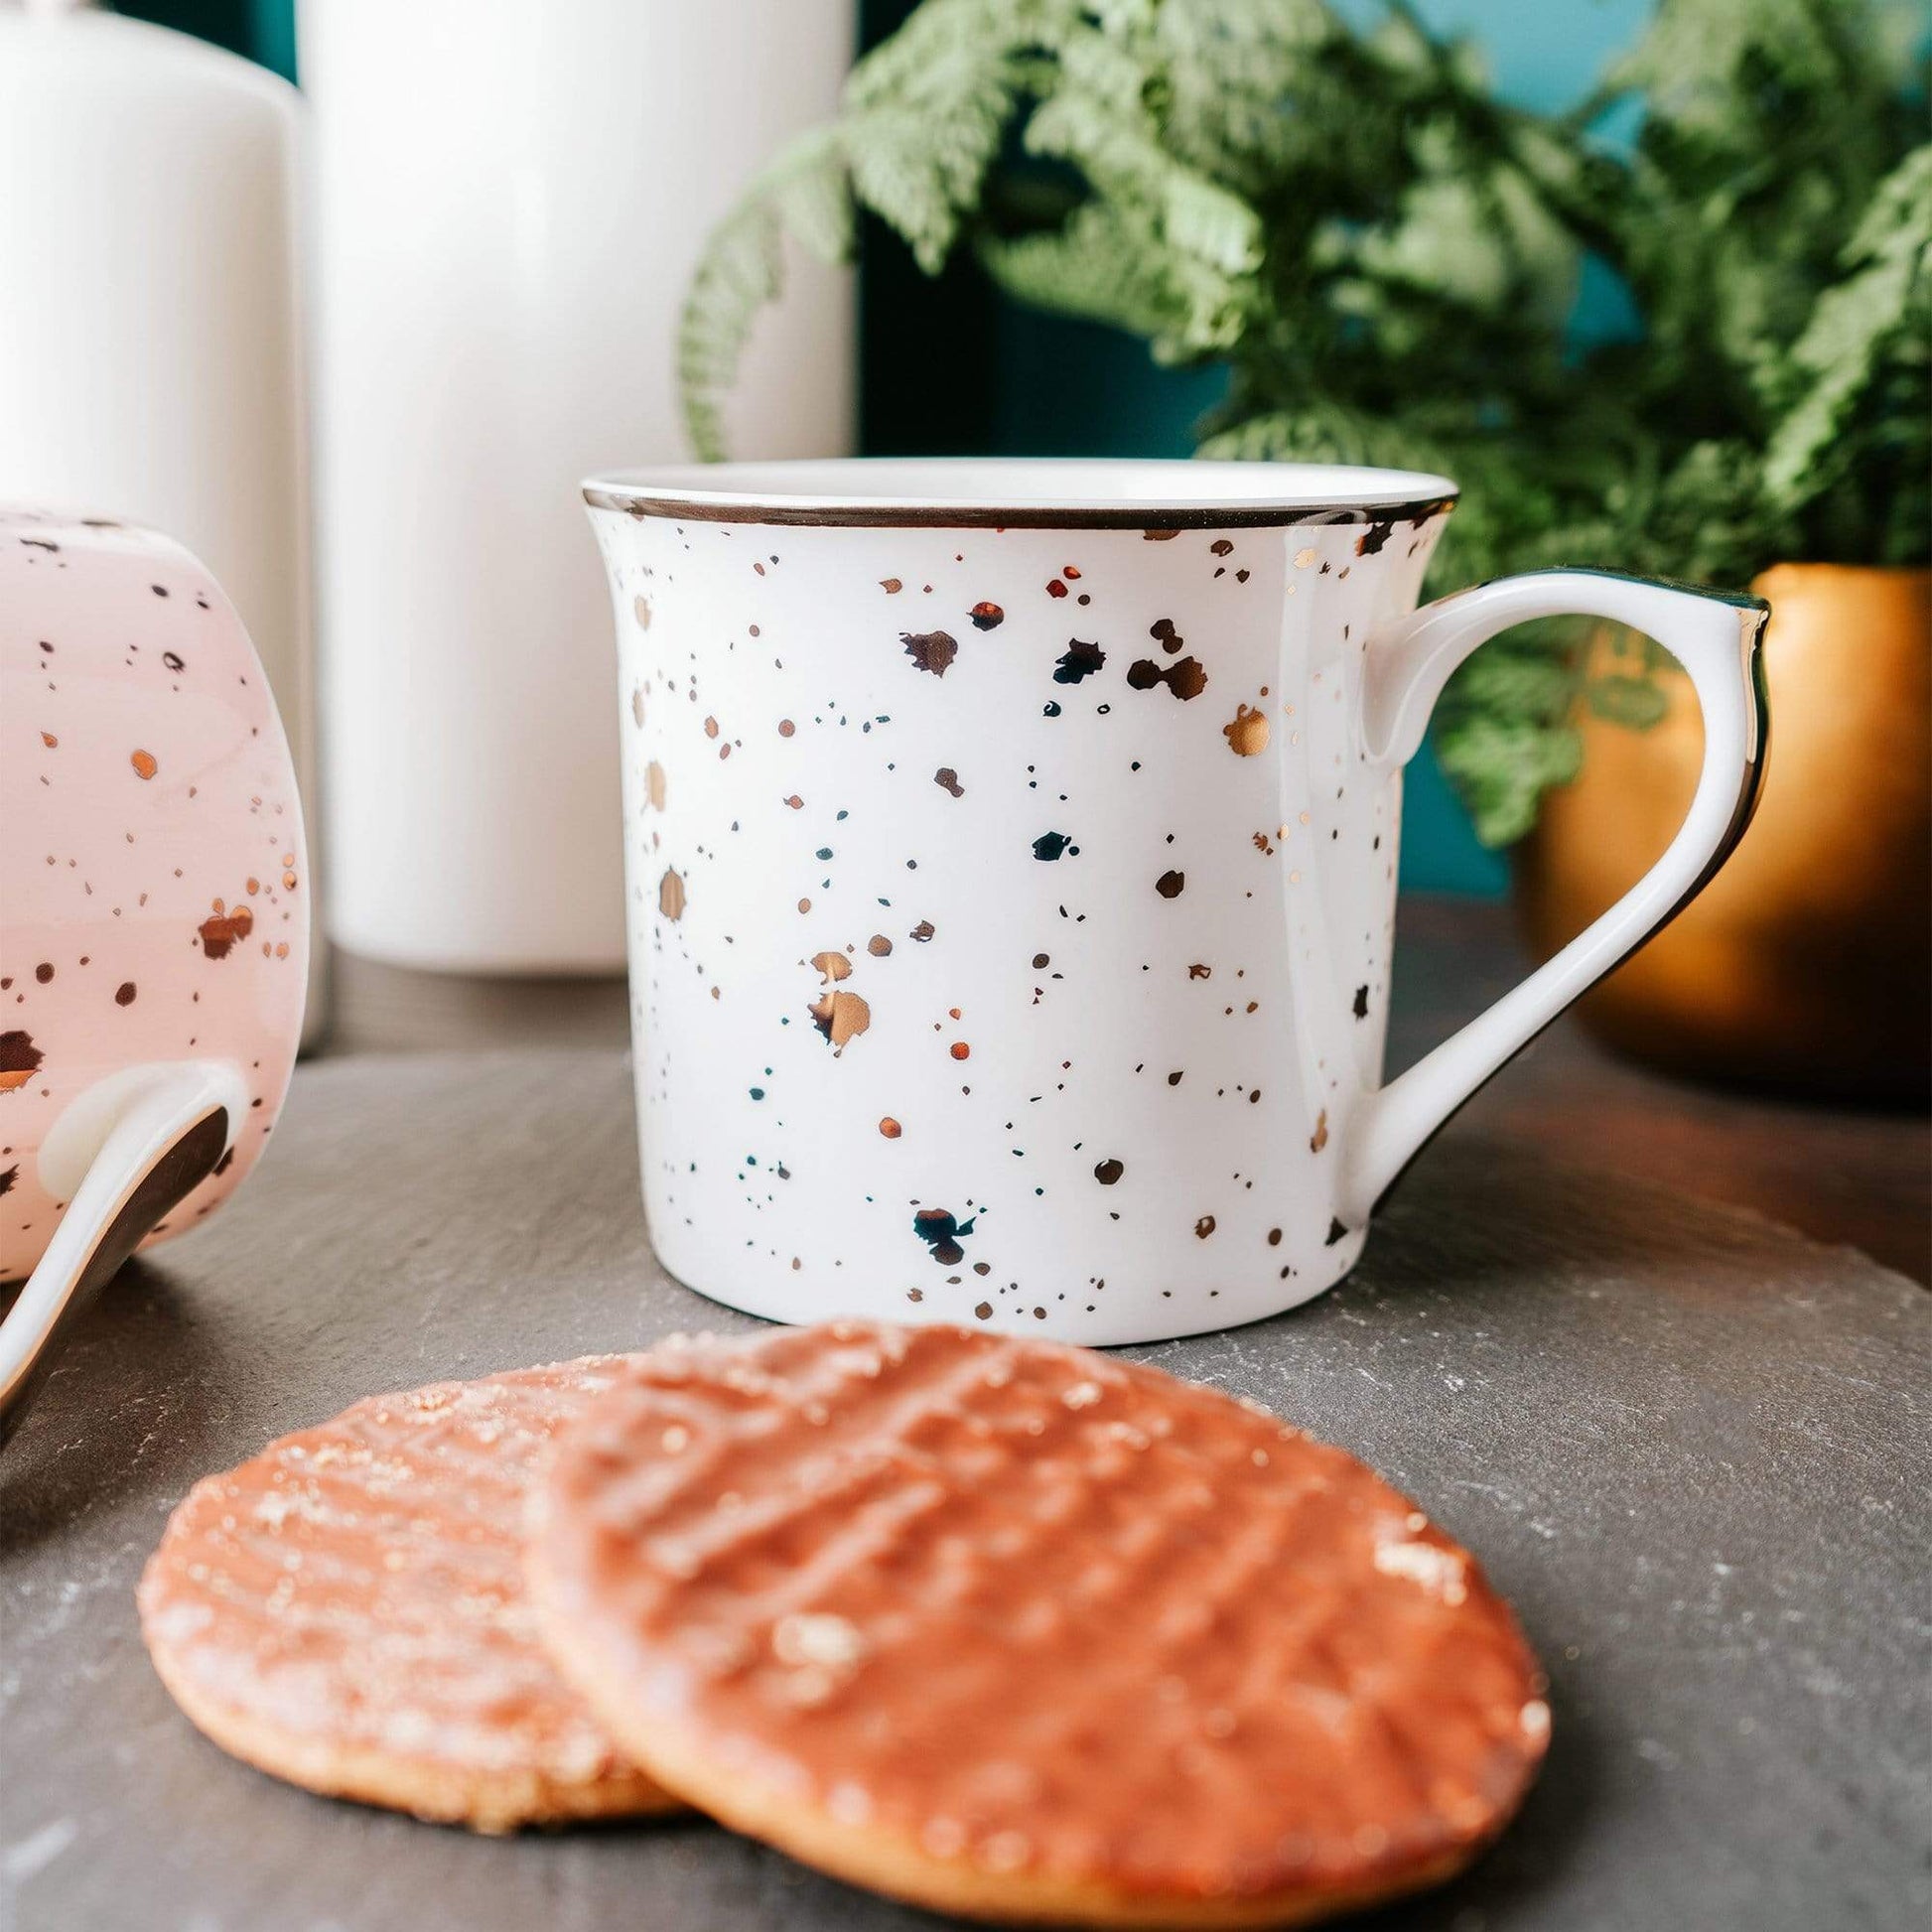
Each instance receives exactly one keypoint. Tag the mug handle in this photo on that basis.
(124, 1153)
(1715, 637)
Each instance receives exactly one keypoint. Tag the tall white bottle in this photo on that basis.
(510, 197)
(151, 356)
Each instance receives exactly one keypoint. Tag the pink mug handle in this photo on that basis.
(124, 1153)
(1715, 637)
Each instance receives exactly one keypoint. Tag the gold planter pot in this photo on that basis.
(1806, 964)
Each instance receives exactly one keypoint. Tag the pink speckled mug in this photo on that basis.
(154, 921)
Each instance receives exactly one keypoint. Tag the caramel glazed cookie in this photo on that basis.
(1014, 1631)
(347, 1611)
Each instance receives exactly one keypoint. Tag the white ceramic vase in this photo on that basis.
(511, 195)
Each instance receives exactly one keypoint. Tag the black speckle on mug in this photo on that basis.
(1079, 660)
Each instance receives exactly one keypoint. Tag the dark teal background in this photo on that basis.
(949, 366)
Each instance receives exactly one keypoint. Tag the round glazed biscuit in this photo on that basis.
(347, 1611)
(1016, 1630)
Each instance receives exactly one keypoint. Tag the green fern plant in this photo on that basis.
(1386, 255)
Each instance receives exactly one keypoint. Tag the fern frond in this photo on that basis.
(926, 112)
(1090, 267)
(1853, 324)
(1125, 161)
(805, 194)
(1324, 431)
(1699, 55)
(1228, 75)
(922, 120)
(1110, 263)
(1501, 768)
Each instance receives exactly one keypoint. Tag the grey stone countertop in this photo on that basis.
(1690, 1445)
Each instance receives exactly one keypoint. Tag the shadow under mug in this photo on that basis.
(154, 912)
(1011, 854)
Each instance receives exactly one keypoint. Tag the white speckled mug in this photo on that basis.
(1012, 867)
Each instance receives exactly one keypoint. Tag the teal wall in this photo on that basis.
(264, 30)
(1019, 383)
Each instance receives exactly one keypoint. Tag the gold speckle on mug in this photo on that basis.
(221, 928)
(670, 894)
(841, 1016)
(1246, 732)
(144, 764)
(831, 966)
(654, 784)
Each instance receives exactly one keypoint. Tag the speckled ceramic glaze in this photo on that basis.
(153, 893)
(1011, 863)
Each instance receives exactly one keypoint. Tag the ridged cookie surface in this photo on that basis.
(347, 1610)
(1015, 1629)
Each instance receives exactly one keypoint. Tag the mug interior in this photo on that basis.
(1025, 492)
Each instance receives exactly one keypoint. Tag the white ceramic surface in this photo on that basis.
(150, 333)
(510, 197)
(1012, 855)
